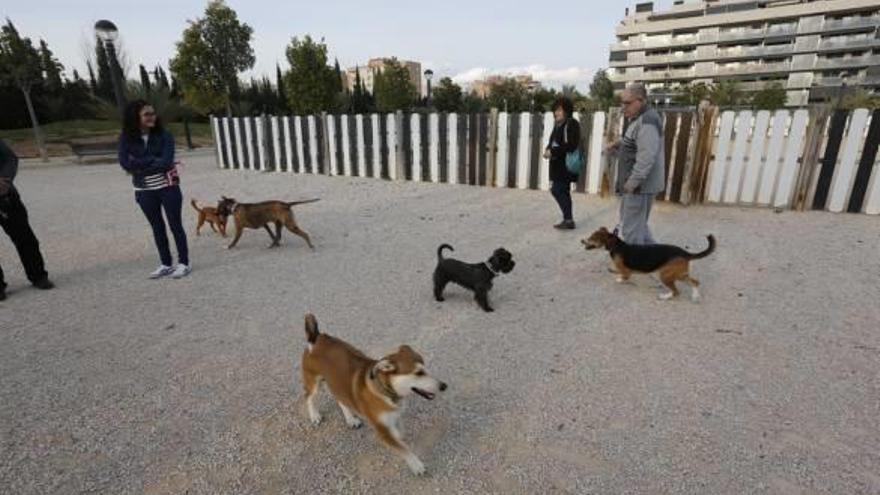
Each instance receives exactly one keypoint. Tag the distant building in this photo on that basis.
(811, 47)
(376, 65)
(483, 87)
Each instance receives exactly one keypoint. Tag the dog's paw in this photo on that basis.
(440, 299)
(695, 295)
(665, 296)
(315, 418)
(415, 465)
(620, 280)
(354, 422)
(489, 310)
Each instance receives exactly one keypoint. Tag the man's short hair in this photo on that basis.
(638, 90)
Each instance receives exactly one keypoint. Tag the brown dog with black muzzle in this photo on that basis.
(256, 215)
(366, 388)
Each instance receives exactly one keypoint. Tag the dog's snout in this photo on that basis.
(442, 386)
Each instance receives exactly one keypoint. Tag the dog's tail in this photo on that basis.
(708, 251)
(441, 248)
(294, 203)
(195, 205)
(311, 329)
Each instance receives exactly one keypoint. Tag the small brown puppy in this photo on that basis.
(671, 262)
(256, 215)
(366, 388)
(212, 216)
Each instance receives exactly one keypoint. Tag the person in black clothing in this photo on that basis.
(564, 139)
(14, 220)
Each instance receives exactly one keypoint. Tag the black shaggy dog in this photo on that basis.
(474, 276)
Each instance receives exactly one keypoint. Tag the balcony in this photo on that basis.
(740, 34)
(780, 30)
(851, 23)
(671, 58)
(755, 51)
(845, 62)
(754, 68)
(850, 43)
(662, 75)
(757, 85)
(826, 82)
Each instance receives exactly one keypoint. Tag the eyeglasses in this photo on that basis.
(148, 114)
(626, 103)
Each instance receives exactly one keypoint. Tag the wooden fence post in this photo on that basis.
(492, 145)
(705, 134)
(810, 158)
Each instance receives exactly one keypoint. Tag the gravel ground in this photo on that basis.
(116, 384)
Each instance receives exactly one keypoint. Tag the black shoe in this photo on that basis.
(3, 294)
(44, 284)
(565, 225)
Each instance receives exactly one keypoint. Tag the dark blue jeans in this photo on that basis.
(171, 200)
(561, 190)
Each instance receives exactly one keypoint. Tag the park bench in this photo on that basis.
(89, 149)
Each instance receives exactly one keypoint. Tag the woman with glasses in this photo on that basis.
(146, 152)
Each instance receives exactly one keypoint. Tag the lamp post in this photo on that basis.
(108, 34)
(429, 74)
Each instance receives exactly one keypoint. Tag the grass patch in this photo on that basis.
(59, 134)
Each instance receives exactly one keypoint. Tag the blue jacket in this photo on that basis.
(141, 161)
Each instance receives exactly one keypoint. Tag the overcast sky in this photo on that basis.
(559, 42)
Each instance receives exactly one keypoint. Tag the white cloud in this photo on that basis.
(548, 77)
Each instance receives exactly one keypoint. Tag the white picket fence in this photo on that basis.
(757, 157)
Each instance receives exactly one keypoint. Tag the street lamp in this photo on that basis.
(108, 34)
(429, 74)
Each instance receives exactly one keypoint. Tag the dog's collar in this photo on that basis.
(383, 389)
(486, 263)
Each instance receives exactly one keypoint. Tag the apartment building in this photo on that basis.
(376, 65)
(816, 49)
(482, 87)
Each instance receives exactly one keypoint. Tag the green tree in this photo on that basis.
(161, 78)
(392, 88)
(310, 84)
(52, 70)
(279, 86)
(725, 94)
(213, 51)
(691, 94)
(446, 97)
(509, 95)
(542, 99)
(361, 102)
(602, 90)
(145, 80)
(104, 87)
(93, 81)
(472, 103)
(338, 83)
(772, 97)
(860, 98)
(20, 67)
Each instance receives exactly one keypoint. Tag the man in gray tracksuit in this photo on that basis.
(640, 166)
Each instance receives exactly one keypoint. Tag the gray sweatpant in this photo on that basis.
(634, 212)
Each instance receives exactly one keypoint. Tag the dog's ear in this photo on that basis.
(603, 230)
(385, 366)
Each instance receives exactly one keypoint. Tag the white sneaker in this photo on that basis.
(162, 271)
(181, 271)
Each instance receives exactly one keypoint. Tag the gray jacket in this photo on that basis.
(641, 160)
